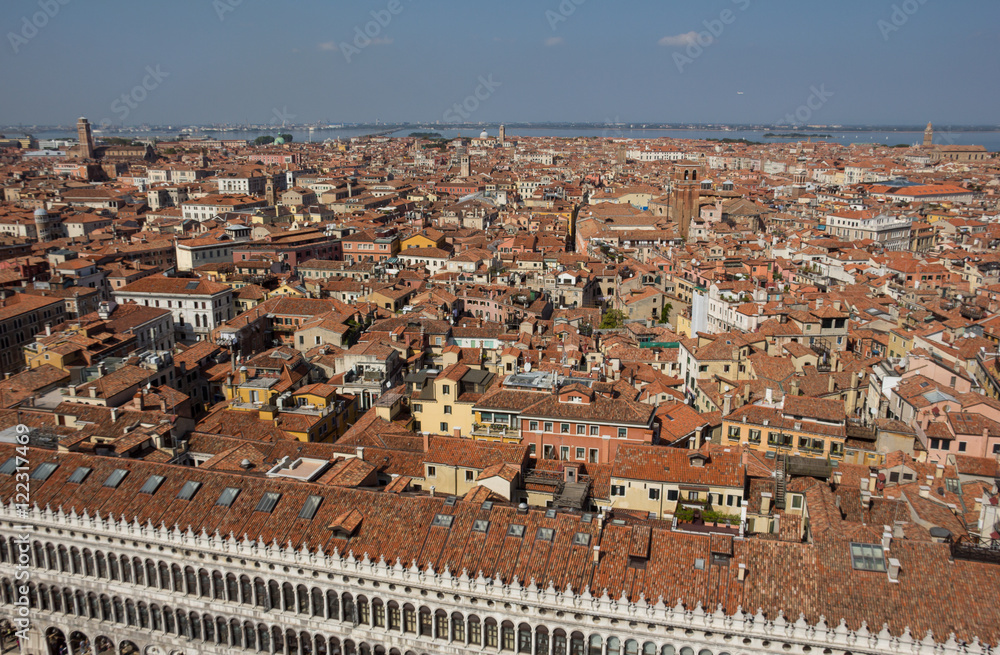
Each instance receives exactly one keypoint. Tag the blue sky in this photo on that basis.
(540, 60)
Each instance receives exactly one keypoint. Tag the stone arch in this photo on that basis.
(316, 596)
(127, 647)
(235, 633)
(577, 644)
(595, 645)
(649, 648)
(287, 597)
(614, 646)
(39, 553)
(302, 599)
(56, 641)
(249, 635)
(221, 631)
(79, 642)
(425, 625)
(103, 645)
(559, 642)
(631, 647)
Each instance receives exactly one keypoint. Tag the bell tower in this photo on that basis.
(269, 193)
(86, 138)
(929, 136)
(685, 190)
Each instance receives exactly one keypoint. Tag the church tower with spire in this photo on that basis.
(929, 136)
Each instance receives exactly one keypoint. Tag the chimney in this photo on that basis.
(93, 392)
(886, 537)
(939, 471)
(597, 555)
(746, 394)
(742, 574)
(831, 384)
(872, 480)
(427, 441)
(795, 388)
(765, 502)
(925, 491)
(893, 569)
(433, 489)
(114, 414)
(48, 329)
(457, 433)
(359, 452)
(727, 404)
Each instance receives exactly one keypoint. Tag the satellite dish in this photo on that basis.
(527, 367)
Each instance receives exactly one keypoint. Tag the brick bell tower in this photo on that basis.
(685, 186)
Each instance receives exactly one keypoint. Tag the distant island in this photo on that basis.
(426, 135)
(796, 135)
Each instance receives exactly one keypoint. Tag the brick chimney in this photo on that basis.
(427, 441)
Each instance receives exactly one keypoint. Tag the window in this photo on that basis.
(447, 409)
(470, 476)
(564, 428)
(796, 501)
(309, 507)
(44, 471)
(692, 495)
(622, 433)
(79, 475)
(115, 478)
(480, 526)
(188, 490)
(617, 490)
(564, 453)
(531, 449)
(267, 502)
(672, 494)
(548, 427)
(548, 452)
(961, 446)
(443, 520)
(654, 494)
(734, 432)
(446, 389)
(593, 456)
(152, 484)
(867, 557)
(227, 497)
(533, 425)
(515, 530)
(594, 430)
(581, 453)
(431, 471)
(581, 539)
(545, 534)
(444, 428)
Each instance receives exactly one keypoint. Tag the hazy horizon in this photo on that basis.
(202, 62)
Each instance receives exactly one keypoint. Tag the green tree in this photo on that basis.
(287, 137)
(612, 319)
(665, 313)
(263, 140)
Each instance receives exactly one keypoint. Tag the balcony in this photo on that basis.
(495, 430)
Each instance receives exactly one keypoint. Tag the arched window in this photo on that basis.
(364, 610)
(224, 588)
(288, 597)
(249, 635)
(39, 550)
(143, 615)
(164, 576)
(113, 570)
(507, 636)
(118, 610)
(194, 625)
(245, 590)
(190, 583)
(208, 628)
(74, 555)
(596, 645)
(704, 651)
(559, 642)
(409, 619)
(236, 633)
(426, 625)
(130, 616)
(43, 598)
(457, 627)
(302, 594)
(614, 646)
(263, 638)
(204, 587)
(475, 630)
(668, 650)
(273, 595)
(317, 601)
(64, 563)
(577, 644)
(155, 618)
(332, 606)
(102, 565)
(649, 648)
(441, 624)
(182, 624)
(53, 557)
(222, 631)
(261, 591)
(687, 651)
(631, 647)
(542, 640)
(178, 576)
(168, 620)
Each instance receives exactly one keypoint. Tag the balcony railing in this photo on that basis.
(497, 430)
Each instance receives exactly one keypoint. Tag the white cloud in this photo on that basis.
(329, 46)
(679, 40)
(554, 41)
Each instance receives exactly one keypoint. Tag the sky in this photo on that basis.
(185, 62)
